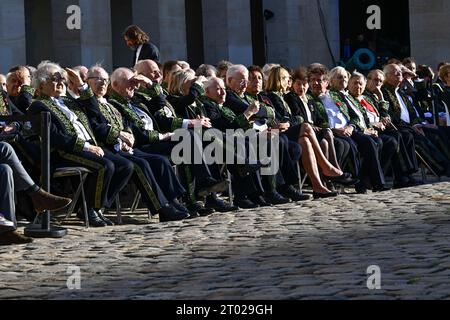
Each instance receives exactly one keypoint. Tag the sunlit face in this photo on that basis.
(216, 91)
(285, 80)
(318, 84)
(357, 86)
(375, 81)
(14, 84)
(125, 85)
(255, 82)
(340, 80)
(150, 70)
(99, 82)
(54, 85)
(394, 76)
(300, 87)
(238, 82)
(3, 82)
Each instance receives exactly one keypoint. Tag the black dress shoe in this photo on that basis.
(105, 219)
(245, 169)
(179, 206)
(294, 194)
(210, 185)
(93, 218)
(275, 198)
(245, 203)
(345, 179)
(198, 209)
(219, 205)
(381, 189)
(360, 188)
(260, 201)
(412, 182)
(169, 213)
(318, 195)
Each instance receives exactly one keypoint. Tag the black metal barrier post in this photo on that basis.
(45, 229)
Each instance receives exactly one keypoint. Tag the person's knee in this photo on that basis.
(5, 171)
(304, 142)
(5, 149)
(109, 167)
(307, 129)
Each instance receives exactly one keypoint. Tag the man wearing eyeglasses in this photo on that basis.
(73, 141)
(153, 175)
(405, 117)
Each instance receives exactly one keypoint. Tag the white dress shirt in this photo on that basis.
(79, 127)
(138, 52)
(404, 110)
(336, 118)
(356, 110)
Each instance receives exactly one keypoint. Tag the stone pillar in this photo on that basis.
(294, 34)
(165, 23)
(12, 34)
(96, 46)
(227, 31)
(429, 27)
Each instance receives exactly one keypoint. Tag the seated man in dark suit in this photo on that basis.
(73, 142)
(138, 41)
(150, 136)
(18, 85)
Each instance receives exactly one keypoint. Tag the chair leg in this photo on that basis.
(75, 197)
(136, 201)
(425, 164)
(83, 198)
(230, 189)
(118, 210)
(300, 181)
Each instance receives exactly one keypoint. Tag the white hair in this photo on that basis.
(95, 67)
(212, 81)
(337, 70)
(235, 69)
(44, 70)
(357, 75)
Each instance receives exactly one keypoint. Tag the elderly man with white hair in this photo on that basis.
(405, 117)
(148, 134)
(73, 142)
(239, 102)
(153, 174)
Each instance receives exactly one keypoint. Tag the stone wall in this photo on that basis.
(430, 36)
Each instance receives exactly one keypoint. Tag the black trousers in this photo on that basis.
(289, 155)
(440, 138)
(155, 179)
(371, 172)
(200, 171)
(110, 174)
(427, 150)
(348, 155)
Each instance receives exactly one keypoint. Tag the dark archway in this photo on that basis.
(391, 41)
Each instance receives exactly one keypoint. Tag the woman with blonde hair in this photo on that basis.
(303, 133)
(184, 90)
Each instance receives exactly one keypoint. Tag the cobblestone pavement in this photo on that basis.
(311, 250)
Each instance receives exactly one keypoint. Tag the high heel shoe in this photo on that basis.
(345, 179)
(317, 195)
